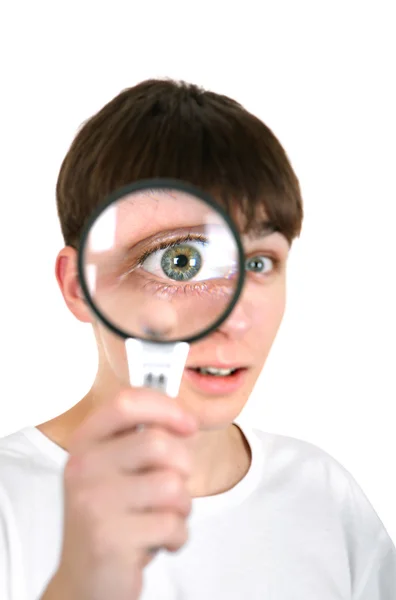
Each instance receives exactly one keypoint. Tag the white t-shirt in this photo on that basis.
(296, 527)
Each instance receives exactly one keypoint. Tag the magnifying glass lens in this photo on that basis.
(160, 264)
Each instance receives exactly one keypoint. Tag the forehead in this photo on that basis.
(144, 214)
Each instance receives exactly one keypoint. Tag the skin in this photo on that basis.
(220, 453)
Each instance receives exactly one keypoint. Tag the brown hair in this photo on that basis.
(163, 128)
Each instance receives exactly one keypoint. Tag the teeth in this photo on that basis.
(213, 371)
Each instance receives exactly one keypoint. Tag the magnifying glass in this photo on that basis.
(161, 265)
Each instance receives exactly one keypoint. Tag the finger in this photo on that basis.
(160, 491)
(155, 491)
(153, 448)
(159, 530)
(128, 410)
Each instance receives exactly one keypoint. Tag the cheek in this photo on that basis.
(267, 309)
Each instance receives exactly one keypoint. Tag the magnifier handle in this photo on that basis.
(158, 366)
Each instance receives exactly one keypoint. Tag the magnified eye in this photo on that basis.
(183, 262)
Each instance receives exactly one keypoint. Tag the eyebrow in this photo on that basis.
(262, 230)
(168, 235)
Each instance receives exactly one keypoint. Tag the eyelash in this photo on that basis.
(275, 260)
(200, 288)
(166, 245)
(196, 238)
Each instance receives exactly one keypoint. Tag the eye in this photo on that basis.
(184, 262)
(260, 264)
(181, 262)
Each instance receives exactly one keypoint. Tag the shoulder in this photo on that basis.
(314, 478)
(310, 472)
(15, 451)
(298, 458)
(23, 465)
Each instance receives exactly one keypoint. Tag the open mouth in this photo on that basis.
(216, 381)
(215, 372)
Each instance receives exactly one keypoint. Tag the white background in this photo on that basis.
(321, 75)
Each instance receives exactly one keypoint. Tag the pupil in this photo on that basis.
(255, 264)
(181, 263)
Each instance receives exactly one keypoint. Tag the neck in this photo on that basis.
(221, 457)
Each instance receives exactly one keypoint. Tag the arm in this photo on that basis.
(378, 582)
(371, 552)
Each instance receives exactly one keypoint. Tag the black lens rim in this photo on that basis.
(163, 183)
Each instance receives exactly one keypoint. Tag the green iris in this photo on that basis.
(181, 262)
(255, 264)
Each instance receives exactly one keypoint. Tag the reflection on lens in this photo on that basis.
(181, 262)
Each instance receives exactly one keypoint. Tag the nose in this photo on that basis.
(157, 319)
(239, 321)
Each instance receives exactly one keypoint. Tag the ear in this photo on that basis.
(67, 277)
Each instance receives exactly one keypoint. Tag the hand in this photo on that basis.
(125, 492)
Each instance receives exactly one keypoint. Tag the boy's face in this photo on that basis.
(243, 340)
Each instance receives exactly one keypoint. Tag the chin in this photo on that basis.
(215, 409)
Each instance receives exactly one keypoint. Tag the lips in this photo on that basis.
(216, 365)
(216, 384)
